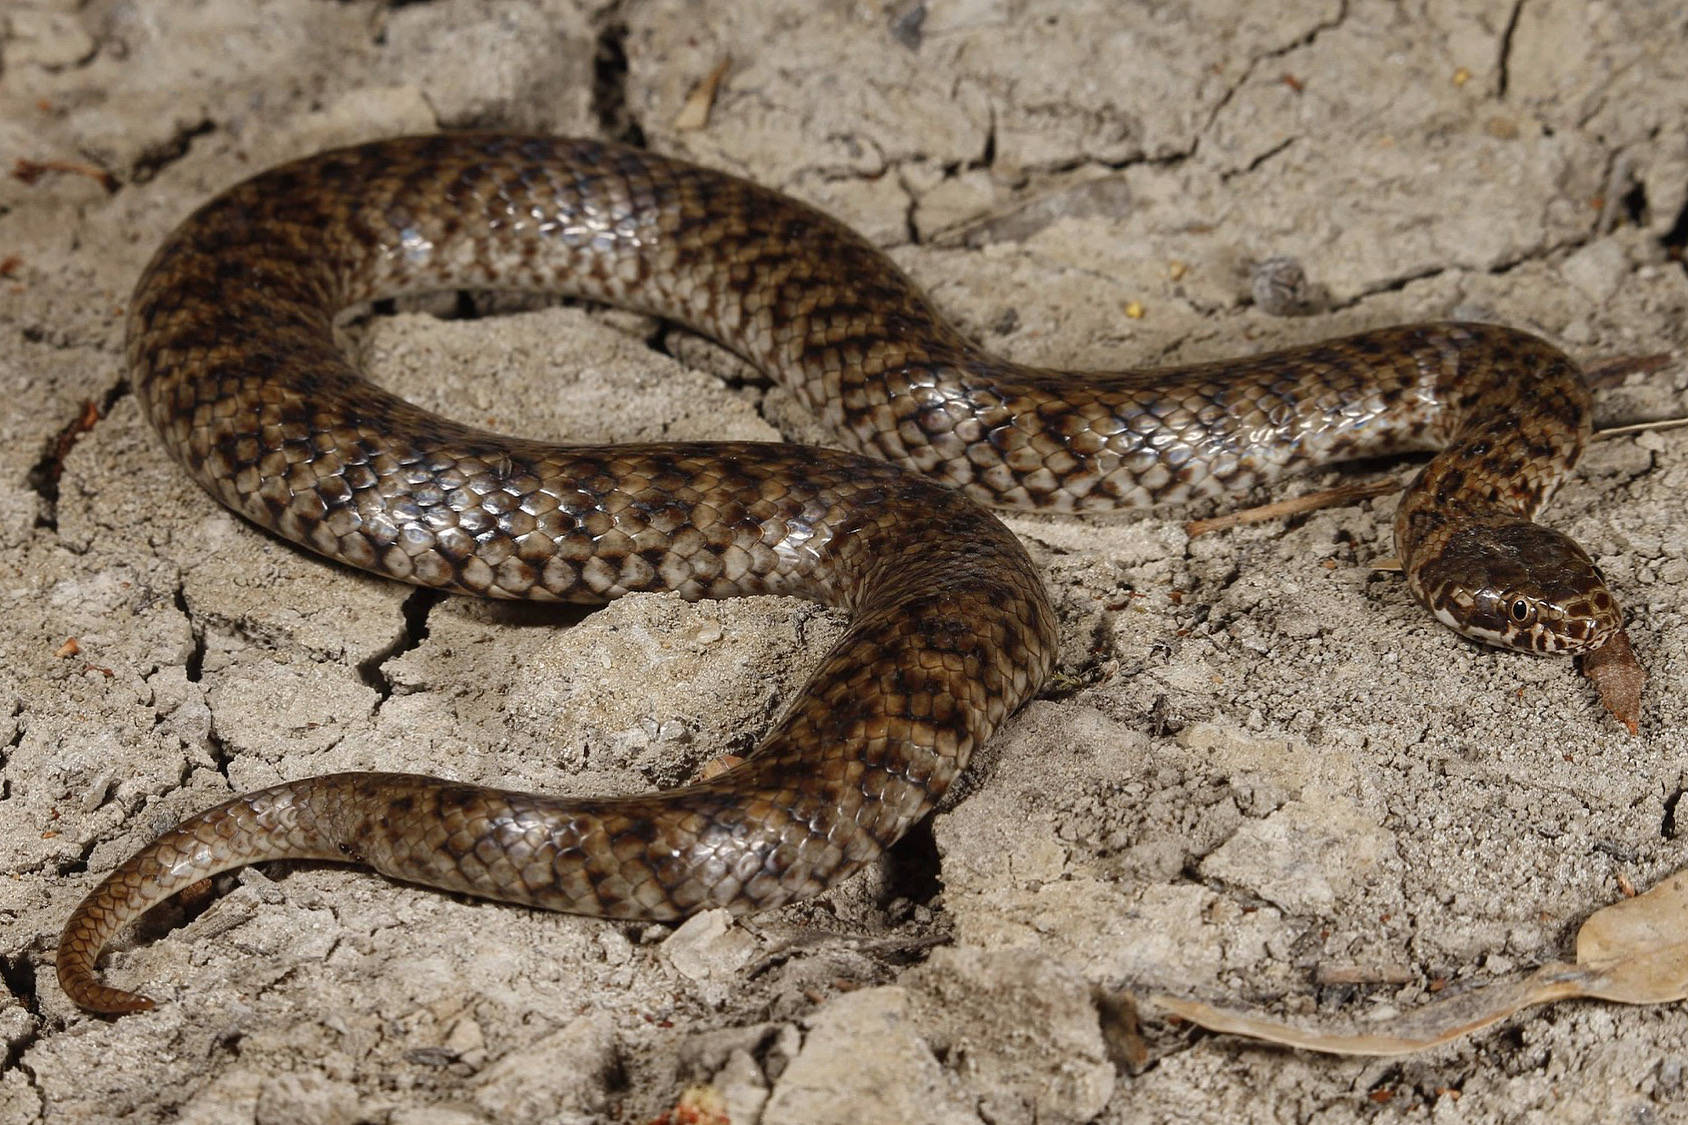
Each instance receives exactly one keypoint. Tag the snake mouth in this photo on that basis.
(1534, 622)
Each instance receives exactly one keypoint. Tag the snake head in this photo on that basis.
(1519, 585)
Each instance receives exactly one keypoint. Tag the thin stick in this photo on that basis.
(1639, 428)
(1328, 498)
(1611, 372)
(28, 171)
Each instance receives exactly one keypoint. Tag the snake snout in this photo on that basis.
(1527, 587)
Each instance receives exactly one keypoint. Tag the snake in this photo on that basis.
(232, 354)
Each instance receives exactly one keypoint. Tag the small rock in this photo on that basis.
(1598, 270)
(1279, 287)
(567, 1070)
(16, 1025)
(742, 1085)
(99, 787)
(1499, 964)
(466, 1041)
(708, 945)
(617, 949)
(863, 1061)
(1027, 1027)
(785, 1047)
(20, 1100)
(1304, 857)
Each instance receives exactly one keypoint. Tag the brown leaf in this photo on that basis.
(1632, 952)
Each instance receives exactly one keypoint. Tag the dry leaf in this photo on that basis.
(1632, 952)
(695, 113)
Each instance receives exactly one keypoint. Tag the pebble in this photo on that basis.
(1279, 286)
(1598, 270)
(864, 1061)
(562, 1073)
(708, 945)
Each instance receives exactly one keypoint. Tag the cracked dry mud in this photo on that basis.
(1261, 776)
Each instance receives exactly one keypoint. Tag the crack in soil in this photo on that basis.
(1498, 269)
(1668, 827)
(610, 80)
(194, 666)
(1305, 40)
(18, 975)
(413, 632)
(166, 152)
(43, 478)
(1227, 176)
(1503, 62)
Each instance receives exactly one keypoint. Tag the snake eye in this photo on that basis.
(1522, 611)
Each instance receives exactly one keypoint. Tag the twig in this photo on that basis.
(1639, 428)
(1329, 498)
(28, 171)
(1612, 372)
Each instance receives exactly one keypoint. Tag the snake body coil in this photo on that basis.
(232, 355)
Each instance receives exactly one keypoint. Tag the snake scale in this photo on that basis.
(232, 354)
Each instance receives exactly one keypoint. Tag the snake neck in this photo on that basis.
(1513, 416)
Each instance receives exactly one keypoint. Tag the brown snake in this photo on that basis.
(231, 351)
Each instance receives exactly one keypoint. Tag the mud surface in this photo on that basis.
(1261, 776)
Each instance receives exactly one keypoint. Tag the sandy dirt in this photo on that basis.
(1261, 776)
